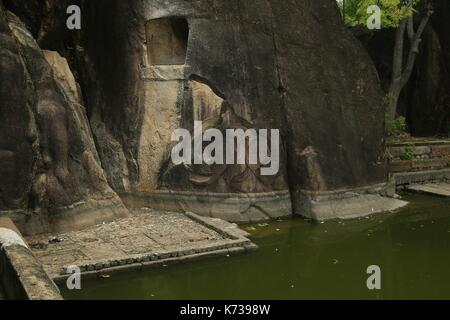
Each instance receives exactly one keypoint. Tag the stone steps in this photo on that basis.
(440, 189)
(147, 239)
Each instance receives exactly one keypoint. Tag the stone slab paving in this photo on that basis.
(440, 189)
(147, 238)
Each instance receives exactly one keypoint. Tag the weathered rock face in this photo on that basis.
(429, 90)
(314, 82)
(149, 67)
(16, 152)
(49, 160)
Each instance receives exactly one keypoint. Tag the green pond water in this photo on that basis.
(298, 259)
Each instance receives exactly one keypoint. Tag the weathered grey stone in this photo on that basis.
(440, 189)
(147, 238)
(63, 76)
(235, 207)
(421, 177)
(429, 164)
(347, 204)
(41, 101)
(264, 80)
(243, 68)
(22, 276)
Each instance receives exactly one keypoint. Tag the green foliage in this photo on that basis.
(392, 11)
(395, 126)
(389, 155)
(408, 153)
(388, 98)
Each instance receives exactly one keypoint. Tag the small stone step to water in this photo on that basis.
(351, 206)
(440, 189)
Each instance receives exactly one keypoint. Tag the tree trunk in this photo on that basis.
(401, 74)
(397, 67)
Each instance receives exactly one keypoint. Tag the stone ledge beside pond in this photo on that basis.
(22, 276)
(349, 203)
(233, 207)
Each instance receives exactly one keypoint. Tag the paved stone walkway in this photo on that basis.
(146, 238)
(440, 189)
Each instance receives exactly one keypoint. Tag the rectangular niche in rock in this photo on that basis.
(167, 40)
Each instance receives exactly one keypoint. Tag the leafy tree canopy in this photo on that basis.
(392, 11)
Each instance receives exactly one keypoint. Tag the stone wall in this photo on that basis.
(419, 156)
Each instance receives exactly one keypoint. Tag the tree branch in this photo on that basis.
(414, 50)
(397, 64)
(411, 31)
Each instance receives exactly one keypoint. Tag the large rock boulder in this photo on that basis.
(52, 179)
(149, 67)
(256, 66)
